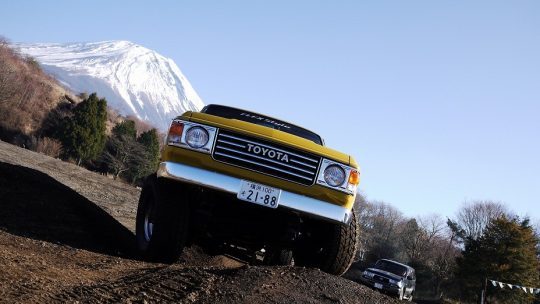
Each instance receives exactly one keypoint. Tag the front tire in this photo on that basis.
(162, 223)
(410, 297)
(334, 248)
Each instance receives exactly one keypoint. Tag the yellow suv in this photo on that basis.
(234, 178)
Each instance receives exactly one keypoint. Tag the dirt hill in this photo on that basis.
(66, 235)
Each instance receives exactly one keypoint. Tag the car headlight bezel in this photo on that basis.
(350, 181)
(178, 135)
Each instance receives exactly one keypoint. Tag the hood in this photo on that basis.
(385, 274)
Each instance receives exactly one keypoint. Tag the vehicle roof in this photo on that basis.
(395, 262)
(268, 116)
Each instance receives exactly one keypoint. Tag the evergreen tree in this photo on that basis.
(150, 160)
(125, 128)
(150, 141)
(84, 134)
(505, 252)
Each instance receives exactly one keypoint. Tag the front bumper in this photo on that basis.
(225, 183)
(391, 289)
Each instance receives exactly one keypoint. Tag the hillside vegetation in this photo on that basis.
(27, 96)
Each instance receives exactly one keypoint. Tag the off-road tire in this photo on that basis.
(278, 257)
(170, 218)
(333, 250)
(342, 247)
(410, 297)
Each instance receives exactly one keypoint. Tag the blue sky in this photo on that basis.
(439, 101)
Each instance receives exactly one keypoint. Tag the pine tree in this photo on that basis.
(506, 252)
(125, 128)
(150, 141)
(84, 134)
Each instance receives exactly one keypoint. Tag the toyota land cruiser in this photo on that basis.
(230, 177)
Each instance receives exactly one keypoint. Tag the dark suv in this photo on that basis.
(391, 277)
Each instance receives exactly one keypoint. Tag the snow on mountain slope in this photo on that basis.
(134, 80)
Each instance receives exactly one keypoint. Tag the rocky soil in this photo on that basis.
(66, 235)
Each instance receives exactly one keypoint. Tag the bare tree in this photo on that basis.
(360, 207)
(380, 224)
(433, 224)
(473, 217)
(443, 259)
(419, 235)
(413, 240)
(122, 153)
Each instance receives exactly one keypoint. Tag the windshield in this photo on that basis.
(233, 113)
(394, 268)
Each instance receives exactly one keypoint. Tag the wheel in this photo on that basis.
(278, 257)
(162, 223)
(334, 248)
(409, 298)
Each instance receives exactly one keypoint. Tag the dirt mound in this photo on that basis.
(66, 235)
(217, 285)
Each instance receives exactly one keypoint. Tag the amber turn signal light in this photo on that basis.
(176, 128)
(175, 132)
(354, 177)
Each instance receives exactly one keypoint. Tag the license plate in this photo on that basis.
(259, 194)
(378, 285)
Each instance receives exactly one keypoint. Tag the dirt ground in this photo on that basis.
(66, 235)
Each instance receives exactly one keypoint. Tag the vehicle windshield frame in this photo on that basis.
(262, 120)
(393, 267)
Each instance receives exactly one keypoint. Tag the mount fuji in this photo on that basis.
(134, 80)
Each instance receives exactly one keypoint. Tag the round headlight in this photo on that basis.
(334, 175)
(197, 137)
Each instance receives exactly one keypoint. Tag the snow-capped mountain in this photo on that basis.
(134, 80)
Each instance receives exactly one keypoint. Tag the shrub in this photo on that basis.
(49, 146)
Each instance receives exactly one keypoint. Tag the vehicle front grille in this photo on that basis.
(381, 279)
(266, 157)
